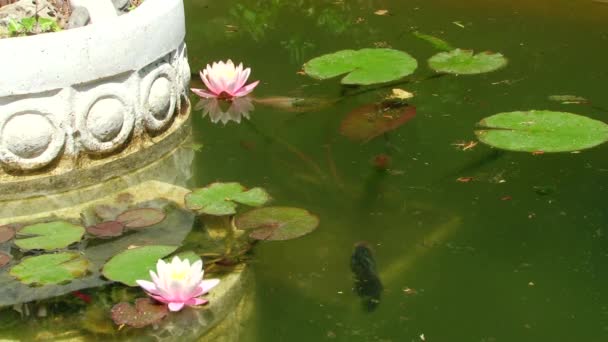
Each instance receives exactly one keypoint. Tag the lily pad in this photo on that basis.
(541, 130)
(365, 66)
(145, 312)
(50, 268)
(48, 235)
(372, 120)
(4, 259)
(141, 217)
(106, 229)
(134, 264)
(6, 233)
(218, 198)
(464, 62)
(277, 223)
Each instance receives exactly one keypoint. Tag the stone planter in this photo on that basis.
(79, 106)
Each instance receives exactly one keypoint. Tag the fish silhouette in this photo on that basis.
(367, 282)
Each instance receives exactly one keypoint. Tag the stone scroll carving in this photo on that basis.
(37, 130)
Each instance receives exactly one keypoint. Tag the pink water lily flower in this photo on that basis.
(225, 81)
(178, 283)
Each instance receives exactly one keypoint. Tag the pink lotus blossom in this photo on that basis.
(178, 283)
(225, 81)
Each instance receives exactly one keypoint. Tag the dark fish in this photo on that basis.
(367, 283)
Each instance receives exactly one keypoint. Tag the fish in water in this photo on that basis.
(367, 282)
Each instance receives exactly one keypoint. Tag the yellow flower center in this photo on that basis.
(228, 73)
(178, 275)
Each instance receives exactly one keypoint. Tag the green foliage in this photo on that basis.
(363, 67)
(277, 223)
(49, 235)
(134, 264)
(32, 25)
(464, 62)
(219, 198)
(50, 268)
(541, 130)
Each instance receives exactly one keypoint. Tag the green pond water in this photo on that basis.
(518, 254)
(470, 244)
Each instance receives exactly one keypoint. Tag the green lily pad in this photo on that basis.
(134, 264)
(6, 233)
(541, 130)
(277, 223)
(365, 66)
(218, 198)
(464, 62)
(145, 312)
(50, 268)
(48, 235)
(141, 217)
(372, 120)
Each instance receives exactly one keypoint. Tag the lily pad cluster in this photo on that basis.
(268, 223)
(63, 259)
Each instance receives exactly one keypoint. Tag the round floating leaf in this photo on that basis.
(372, 120)
(141, 217)
(48, 235)
(218, 198)
(277, 223)
(465, 62)
(144, 313)
(134, 264)
(50, 268)
(106, 229)
(6, 233)
(4, 259)
(365, 66)
(214, 199)
(541, 130)
(255, 197)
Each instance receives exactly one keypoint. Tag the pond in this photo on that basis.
(519, 253)
(425, 233)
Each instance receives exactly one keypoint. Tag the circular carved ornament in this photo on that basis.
(159, 97)
(30, 139)
(104, 119)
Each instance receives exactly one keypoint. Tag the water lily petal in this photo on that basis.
(147, 286)
(202, 93)
(242, 78)
(246, 89)
(176, 306)
(208, 284)
(212, 84)
(196, 301)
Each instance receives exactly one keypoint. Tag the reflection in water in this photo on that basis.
(225, 111)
